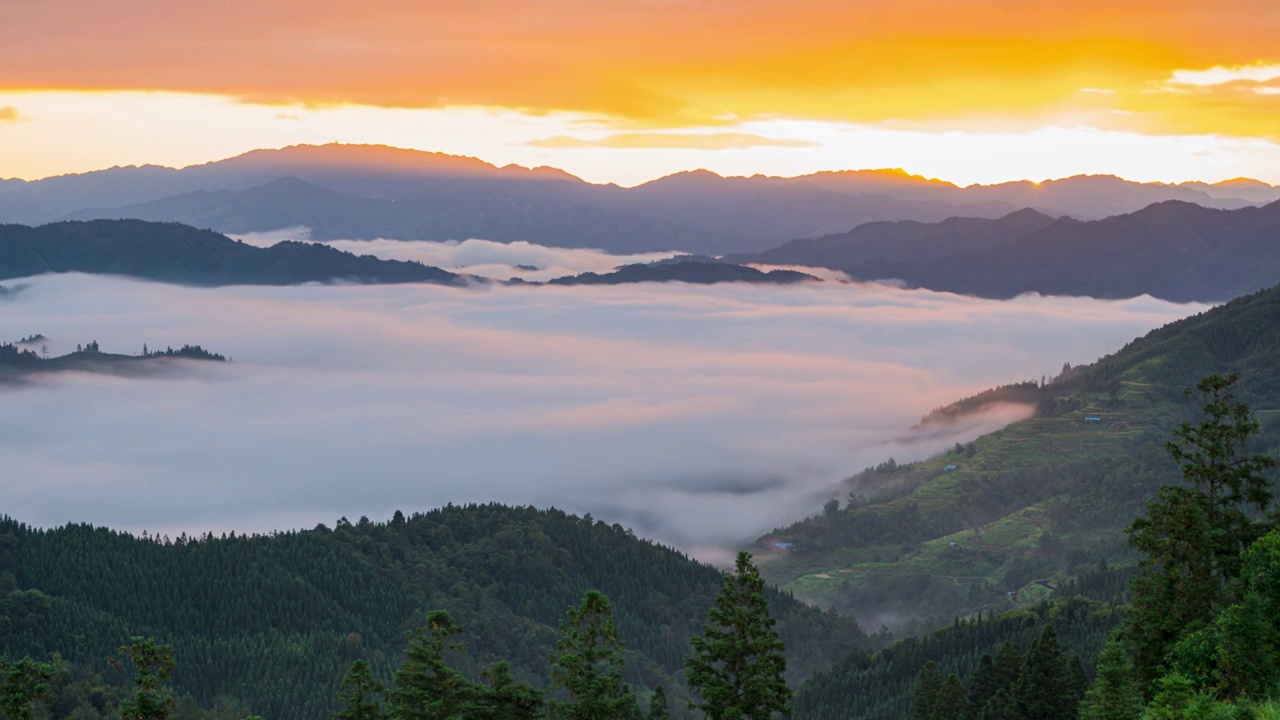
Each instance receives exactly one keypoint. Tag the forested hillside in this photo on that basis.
(273, 622)
(996, 524)
(18, 361)
(1191, 631)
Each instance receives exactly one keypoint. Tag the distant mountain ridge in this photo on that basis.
(169, 252)
(175, 253)
(1173, 250)
(366, 191)
(687, 271)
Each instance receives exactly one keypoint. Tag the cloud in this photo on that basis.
(671, 140)
(9, 114)
(639, 62)
(700, 416)
(486, 258)
(1222, 75)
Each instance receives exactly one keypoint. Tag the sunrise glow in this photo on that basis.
(631, 90)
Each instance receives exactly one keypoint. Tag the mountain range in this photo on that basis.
(362, 192)
(1174, 250)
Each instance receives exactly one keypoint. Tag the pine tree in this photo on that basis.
(588, 665)
(1044, 688)
(738, 667)
(658, 708)
(924, 704)
(152, 669)
(1001, 706)
(983, 686)
(360, 696)
(426, 688)
(1114, 695)
(952, 700)
(1078, 679)
(998, 686)
(506, 699)
(24, 683)
(1193, 535)
(1008, 664)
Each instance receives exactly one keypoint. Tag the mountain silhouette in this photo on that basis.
(379, 191)
(1175, 250)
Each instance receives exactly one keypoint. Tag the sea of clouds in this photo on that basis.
(698, 415)
(484, 258)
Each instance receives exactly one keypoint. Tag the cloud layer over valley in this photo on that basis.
(486, 258)
(700, 416)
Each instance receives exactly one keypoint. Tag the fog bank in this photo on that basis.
(700, 416)
(486, 258)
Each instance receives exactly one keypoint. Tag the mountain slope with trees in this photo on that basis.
(275, 621)
(1199, 636)
(997, 524)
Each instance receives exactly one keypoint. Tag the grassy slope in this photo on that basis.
(1039, 499)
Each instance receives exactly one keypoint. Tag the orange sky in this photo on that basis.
(1008, 66)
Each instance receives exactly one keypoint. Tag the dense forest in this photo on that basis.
(175, 253)
(274, 621)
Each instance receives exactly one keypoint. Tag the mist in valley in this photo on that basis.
(700, 416)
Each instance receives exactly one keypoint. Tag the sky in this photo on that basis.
(701, 416)
(627, 90)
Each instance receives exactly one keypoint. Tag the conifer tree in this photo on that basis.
(952, 700)
(360, 696)
(24, 683)
(993, 698)
(506, 699)
(426, 688)
(1008, 664)
(152, 669)
(738, 667)
(1193, 535)
(1114, 695)
(1044, 688)
(588, 663)
(983, 687)
(924, 704)
(1001, 706)
(658, 708)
